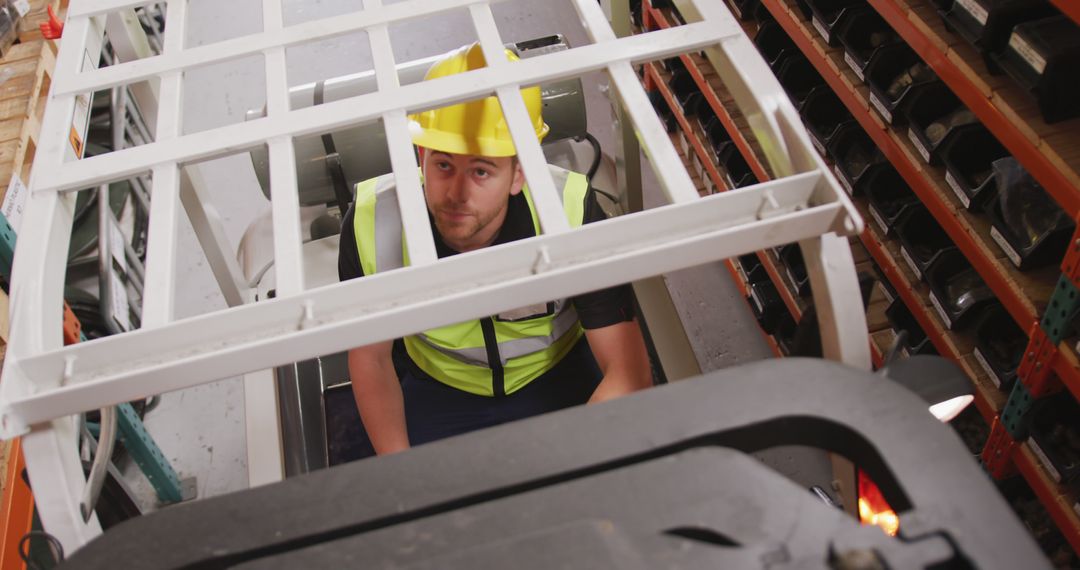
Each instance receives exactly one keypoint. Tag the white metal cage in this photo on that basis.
(46, 383)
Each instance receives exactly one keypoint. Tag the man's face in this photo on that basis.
(468, 195)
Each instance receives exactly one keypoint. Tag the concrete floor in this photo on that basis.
(201, 430)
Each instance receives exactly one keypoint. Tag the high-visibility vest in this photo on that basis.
(520, 345)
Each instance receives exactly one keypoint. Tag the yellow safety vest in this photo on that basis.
(457, 355)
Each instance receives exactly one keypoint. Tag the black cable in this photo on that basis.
(56, 549)
(595, 166)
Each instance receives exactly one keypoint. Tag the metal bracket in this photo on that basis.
(1063, 308)
(148, 456)
(1014, 413)
(1036, 369)
(996, 455)
(7, 247)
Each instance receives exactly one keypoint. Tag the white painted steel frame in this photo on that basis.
(45, 383)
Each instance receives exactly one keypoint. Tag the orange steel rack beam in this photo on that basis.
(988, 399)
(658, 81)
(16, 511)
(1062, 183)
(654, 79)
(1070, 8)
(722, 113)
(925, 182)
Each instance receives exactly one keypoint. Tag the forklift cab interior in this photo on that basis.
(319, 421)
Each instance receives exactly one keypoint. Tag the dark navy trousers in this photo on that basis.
(435, 411)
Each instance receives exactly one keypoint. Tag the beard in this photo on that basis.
(462, 229)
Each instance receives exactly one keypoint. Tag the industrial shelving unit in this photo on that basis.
(689, 139)
(1051, 153)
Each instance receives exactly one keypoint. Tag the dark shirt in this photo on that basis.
(597, 309)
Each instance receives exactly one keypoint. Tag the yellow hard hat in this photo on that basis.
(475, 127)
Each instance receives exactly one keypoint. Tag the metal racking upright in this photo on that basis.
(1042, 302)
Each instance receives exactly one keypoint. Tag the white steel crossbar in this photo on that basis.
(45, 383)
(362, 311)
(365, 108)
(256, 44)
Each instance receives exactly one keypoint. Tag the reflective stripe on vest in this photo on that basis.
(457, 354)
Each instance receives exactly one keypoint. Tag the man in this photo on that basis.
(491, 370)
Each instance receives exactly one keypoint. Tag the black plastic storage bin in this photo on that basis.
(736, 170)
(720, 143)
(827, 16)
(766, 304)
(862, 34)
(798, 77)
(999, 346)
(922, 240)
(745, 9)
(903, 321)
(888, 195)
(1054, 427)
(1043, 57)
(823, 113)
(663, 110)
(785, 333)
(686, 91)
(702, 112)
(942, 5)
(774, 44)
(894, 75)
(852, 152)
(968, 157)
(792, 258)
(1027, 224)
(747, 264)
(986, 24)
(957, 291)
(934, 115)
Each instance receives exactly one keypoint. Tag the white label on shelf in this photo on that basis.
(14, 202)
(22, 7)
(843, 179)
(791, 279)
(120, 302)
(940, 310)
(1046, 463)
(820, 27)
(975, 9)
(910, 263)
(684, 144)
(879, 220)
(960, 195)
(820, 146)
(885, 114)
(919, 146)
(1030, 54)
(757, 301)
(116, 246)
(1076, 508)
(734, 8)
(1005, 246)
(854, 65)
(888, 296)
(986, 366)
(742, 273)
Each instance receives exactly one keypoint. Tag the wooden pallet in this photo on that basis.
(22, 105)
